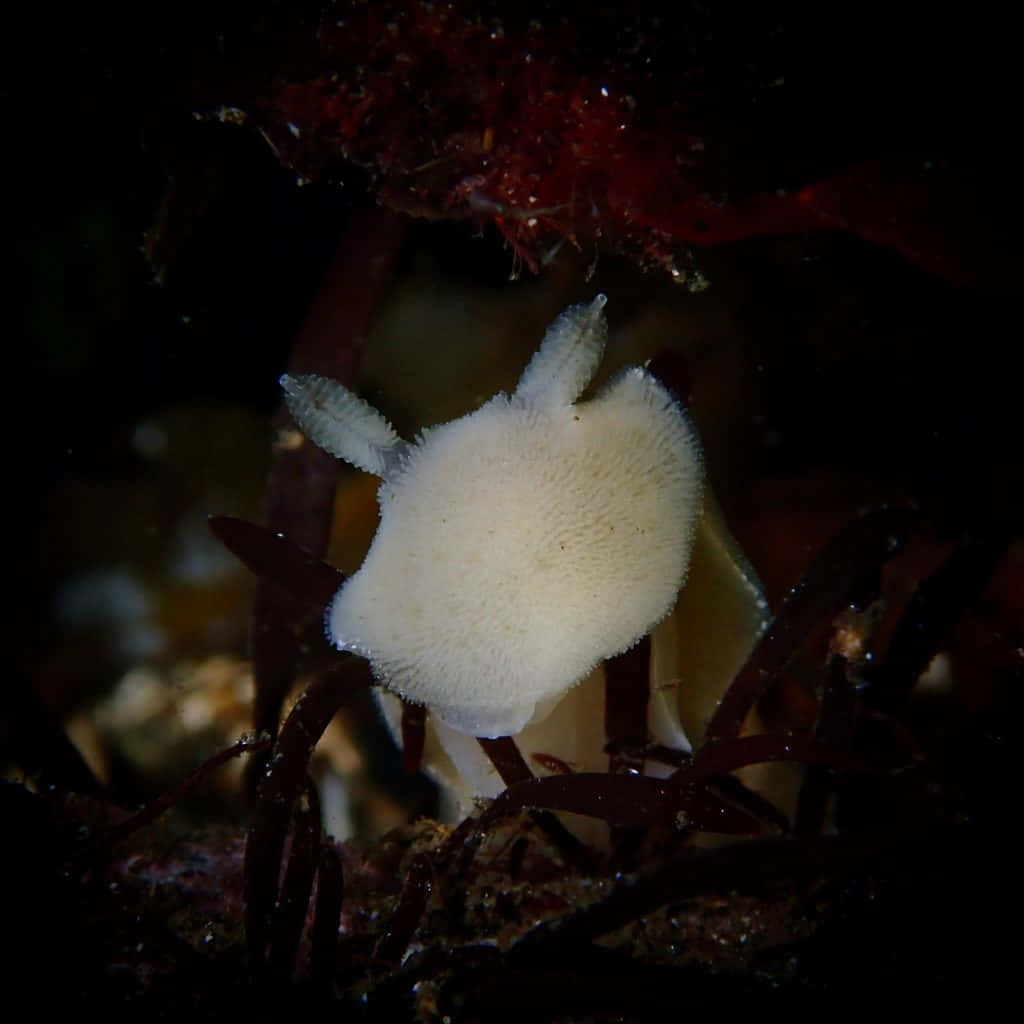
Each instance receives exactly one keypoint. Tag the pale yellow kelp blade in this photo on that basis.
(718, 618)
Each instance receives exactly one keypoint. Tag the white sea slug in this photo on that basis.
(520, 545)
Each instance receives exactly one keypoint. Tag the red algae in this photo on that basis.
(635, 135)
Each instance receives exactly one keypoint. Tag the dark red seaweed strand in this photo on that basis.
(667, 755)
(512, 767)
(630, 801)
(414, 732)
(263, 853)
(626, 689)
(276, 559)
(299, 496)
(838, 572)
(298, 587)
(419, 882)
(283, 784)
(506, 758)
(939, 601)
(275, 643)
(723, 758)
(297, 887)
(756, 805)
(837, 719)
(835, 728)
(156, 807)
(330, 890)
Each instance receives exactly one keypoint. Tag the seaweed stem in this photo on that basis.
(836, 574)
(283, 784)
(155, 808)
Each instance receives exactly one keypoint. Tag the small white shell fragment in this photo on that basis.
(522, 544)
